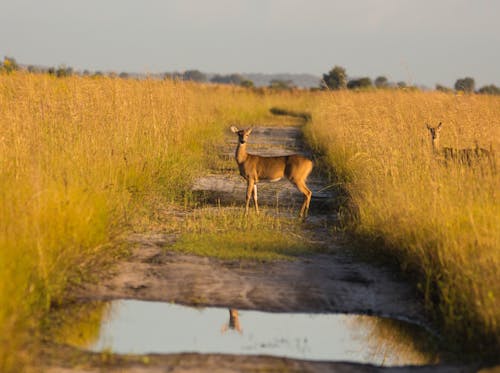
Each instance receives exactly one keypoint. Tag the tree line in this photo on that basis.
(335, 79)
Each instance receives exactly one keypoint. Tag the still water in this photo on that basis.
(139, 327)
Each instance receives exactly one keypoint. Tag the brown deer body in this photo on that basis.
(255, 168)
(467, 156)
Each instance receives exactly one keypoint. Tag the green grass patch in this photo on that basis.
(227, 233)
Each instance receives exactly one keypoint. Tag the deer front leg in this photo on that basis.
(255, 199)
(250, 185)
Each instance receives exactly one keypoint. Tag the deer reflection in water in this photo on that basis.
(234, 322)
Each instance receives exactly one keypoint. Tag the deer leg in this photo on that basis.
(301, 186)
(250, 185)
(255, 198)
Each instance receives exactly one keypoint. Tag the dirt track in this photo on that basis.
(333, 282)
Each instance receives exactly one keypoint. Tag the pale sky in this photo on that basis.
(417, 41)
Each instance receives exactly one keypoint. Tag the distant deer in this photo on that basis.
(254, 168)
(234, 322)
(466, 156)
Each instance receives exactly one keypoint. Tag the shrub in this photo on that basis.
(335, 79)
(466, 85)
(360, 83)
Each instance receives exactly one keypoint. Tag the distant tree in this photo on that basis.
(86, 73)
(489, 90)
(63, 71)
(247, 83)
(466, 84)
(228, 79)
(218, 79)
(97, 74)
(279, 84)
(9, 65)
(360, 83)
(401, 84)
(335, 79)
(443, 88)
(51, 71)
(236, 79)
(194, 75)
(381, 82)
(33, 69)
(173, 75)
(123, 75)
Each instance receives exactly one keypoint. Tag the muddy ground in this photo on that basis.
(335, 281)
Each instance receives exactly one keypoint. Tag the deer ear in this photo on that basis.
(249, 131)
(234, 129)
(439, 125)
(428, 127)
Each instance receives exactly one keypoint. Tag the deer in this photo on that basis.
(465, 156)
(254, 168)
(234, 322)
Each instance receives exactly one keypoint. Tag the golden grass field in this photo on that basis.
(439, 219)
(82, 159)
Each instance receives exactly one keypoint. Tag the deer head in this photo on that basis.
(242, 134)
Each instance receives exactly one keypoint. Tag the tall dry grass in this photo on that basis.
(74, 154)
(440, 220)
(78, 156)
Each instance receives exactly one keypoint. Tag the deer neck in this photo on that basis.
(241, 153)
(435, 145)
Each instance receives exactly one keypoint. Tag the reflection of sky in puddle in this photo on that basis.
(152, 327)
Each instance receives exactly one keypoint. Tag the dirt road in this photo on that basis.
(337, 281)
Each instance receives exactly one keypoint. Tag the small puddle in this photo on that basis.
(139, 327)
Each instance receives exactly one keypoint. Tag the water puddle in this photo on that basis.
(139, 327)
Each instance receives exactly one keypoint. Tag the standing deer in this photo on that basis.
(254, 168)
(466, 156)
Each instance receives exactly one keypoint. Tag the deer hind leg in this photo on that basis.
(255, 198)
(301, 186)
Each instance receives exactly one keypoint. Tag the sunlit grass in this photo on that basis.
(440, 220)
